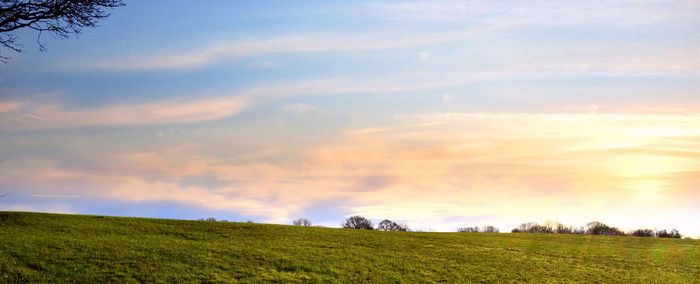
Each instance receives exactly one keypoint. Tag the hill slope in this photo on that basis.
(57, 248)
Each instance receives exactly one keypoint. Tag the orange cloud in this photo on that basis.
(433, 171)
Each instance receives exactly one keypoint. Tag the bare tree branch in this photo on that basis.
(61, 18)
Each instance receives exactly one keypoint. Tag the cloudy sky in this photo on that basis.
(436, 115)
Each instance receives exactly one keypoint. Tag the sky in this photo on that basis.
(465, 113)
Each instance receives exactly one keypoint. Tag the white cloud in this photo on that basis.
(424, 56)
(446, 98)
(300, 108)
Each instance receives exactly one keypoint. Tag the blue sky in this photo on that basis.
(437, 115)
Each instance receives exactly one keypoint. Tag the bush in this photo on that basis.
(302, 222)
(358, 223)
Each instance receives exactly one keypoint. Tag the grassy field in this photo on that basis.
(68, 248)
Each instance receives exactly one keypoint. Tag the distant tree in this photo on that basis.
(388, 225)
(598, 228)
(533, 228)
(675, 234)
(358, 222)
(209, 219)
(489, 229)
(564, 229)
(302, 222)
(662, 234)
(474, 229)
(646, 233)
(60, 18)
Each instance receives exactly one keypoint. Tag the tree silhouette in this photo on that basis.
(358, 222)
(489, 229)
(388, 225)
(61, 18)
(598, 228)
(474, 229)
(302, 222)
(647, 233)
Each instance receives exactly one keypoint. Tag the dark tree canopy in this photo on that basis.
(647, 233)
(61, 18)
(665, 234)
(358, 222)
(388, 225)
(598, 228)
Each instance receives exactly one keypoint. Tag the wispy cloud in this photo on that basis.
(541, 13)
(9, 106)
(43, 114)
(220, 51)
(300, 108)
(49, 116)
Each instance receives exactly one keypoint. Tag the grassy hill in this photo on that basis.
(65, 248)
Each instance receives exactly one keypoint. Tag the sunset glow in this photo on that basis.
(434, 115)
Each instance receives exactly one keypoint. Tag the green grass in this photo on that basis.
(73, 248)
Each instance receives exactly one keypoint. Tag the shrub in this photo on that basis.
(358, 222)
(302, 222)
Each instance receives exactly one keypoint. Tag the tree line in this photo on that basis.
(592, 228)
(361, 223)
